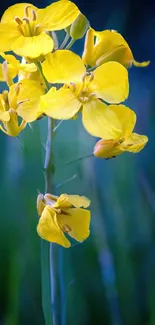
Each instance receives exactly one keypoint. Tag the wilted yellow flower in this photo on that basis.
(125, 140)
(82, 91)
(9, 116)
(108, 45)
(63, 214)
(24, 27)
(20, 101)
(11, 67)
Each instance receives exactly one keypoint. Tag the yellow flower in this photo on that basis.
(11, 67)
(20, 101)
(108, 45)
(126, 141)
(83, 92)
(10, 124)
(24, 27)
(63, 214)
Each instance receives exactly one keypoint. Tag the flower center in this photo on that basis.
(28, 24)
(83, 90)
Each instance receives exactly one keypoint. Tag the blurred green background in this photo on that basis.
(110, 278)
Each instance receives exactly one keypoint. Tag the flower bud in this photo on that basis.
(79, 27)
(105, 149)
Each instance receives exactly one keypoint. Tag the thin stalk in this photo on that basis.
(49, 294)
(70, 44)
(63, 44)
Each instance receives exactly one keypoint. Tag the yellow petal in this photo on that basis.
(76, 222)
(100, 121)
(28, 67)
(63, 66)
(16, 10)
(127, 118)
(77, 201)
(111, 82)
(4, 116)
(49, 229)
(33, 46)
(135, 142)
(28, 99)
(9, 33)
(61, 104)
(58, 15)
(107, 149)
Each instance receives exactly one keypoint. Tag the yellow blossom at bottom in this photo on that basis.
(63, 214)
(127, 141)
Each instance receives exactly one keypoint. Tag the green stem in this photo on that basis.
(70, 44)
(48, 263)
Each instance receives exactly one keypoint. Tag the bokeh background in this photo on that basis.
(110, 278)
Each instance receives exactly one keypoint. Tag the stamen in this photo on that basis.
(18, 20)
(66, 228)
(23, 101)
(92, 95)
(17, 89)
(36, 29)
(84, 77)
(91, 76)
(34, 15)
(26, 10)
(26, 19)
(5, 96)
(73, 85)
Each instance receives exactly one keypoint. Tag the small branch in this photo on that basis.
(63, 44)
(70, 44)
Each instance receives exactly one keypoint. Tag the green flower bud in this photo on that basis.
(79, 27)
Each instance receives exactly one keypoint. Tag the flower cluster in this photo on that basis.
(51, 80)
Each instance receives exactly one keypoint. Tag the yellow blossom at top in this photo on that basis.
(108, 45)
(82, 91)
(24, 28)
(126, 140)
(63, 214)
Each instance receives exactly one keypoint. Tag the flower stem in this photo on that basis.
(48, 263)
(64, 41)
(70, 44)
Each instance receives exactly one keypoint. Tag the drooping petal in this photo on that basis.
(49, 229)
(63, 66)
(65, 201)
(111, 82)
(9, 33)
(61, 104)
(135, 142)
(107, 149)
(76, 222)
(16, 10)
(100, 121)
(58, 15)
(127, 118)
(112, 43)
(109, 45)
(33, 46)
